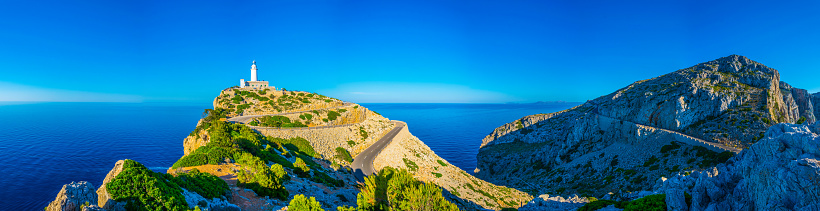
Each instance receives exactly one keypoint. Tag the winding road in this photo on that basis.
(363, 163)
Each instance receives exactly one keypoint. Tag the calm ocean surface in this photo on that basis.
(46, 145)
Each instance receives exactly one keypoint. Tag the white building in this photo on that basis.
(254, 83)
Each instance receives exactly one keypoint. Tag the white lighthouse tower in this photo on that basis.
(253, 71)
(254, 83)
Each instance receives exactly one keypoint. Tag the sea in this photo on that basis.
(46, 145)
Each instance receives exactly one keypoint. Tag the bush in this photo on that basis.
(648, 203)
(298, 144)
(205, 184)
(441, 163)
(301, 168)
(302, 203)
(670, 147)
(598, 204)
(321, 177)
(438, 175)
(343, 154)
(398, 190)
(144, 189)
(332, 115)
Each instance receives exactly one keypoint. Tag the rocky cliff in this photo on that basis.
(780, 172)
(689, 119)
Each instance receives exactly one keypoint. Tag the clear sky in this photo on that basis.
(387, 51)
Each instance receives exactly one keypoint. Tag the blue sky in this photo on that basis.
(387, 51)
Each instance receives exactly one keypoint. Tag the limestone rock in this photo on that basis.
(815, 103)
(73, 197)
(804, 104)
(192, 142)
(547, 202)
(721, 105)
(778, 173)
(104, 198)
(193, 199)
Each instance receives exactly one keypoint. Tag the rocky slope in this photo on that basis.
(681, 121)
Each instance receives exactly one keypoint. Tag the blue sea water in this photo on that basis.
(454, 131)
(46, 145)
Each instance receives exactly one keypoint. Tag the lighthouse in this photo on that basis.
(253, 71)
(254, 83)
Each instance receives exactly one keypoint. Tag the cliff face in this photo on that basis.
(651, 128)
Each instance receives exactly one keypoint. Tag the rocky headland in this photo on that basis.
(616, 146)
(259, 149)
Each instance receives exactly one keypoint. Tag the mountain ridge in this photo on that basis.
(618, 142)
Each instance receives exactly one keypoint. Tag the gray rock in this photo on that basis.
(194, 199)
(778, 173)
(73, 197)
(721, 105)
(545, 202)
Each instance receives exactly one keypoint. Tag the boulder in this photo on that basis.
(73, 197)
(104, 198)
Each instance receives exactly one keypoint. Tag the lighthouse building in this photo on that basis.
(254, 83)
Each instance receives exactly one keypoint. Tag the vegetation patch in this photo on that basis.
(391, 189)
(144, 189)
(343, 154)
(441, 163)
(410, 164)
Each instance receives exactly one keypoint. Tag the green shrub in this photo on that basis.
(343, 154)
(441, 163)
(205, 184)
(302, 203)
(298, 144)
(597, 204)
(363, 133)
(144, 189)
(351, 143)
(332, 115)
(321, 177)
(438, 175)
(669, 147)
(398, 190)
(342, 110)
(648, 203)
(301, 168)
(651, 161)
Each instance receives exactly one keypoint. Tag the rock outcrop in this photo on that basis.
(655, 127)
(193, 199)
(780, 172)
(74, 197)
(103, 197)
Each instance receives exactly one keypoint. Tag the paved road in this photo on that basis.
(246, 119)
(363, 163)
